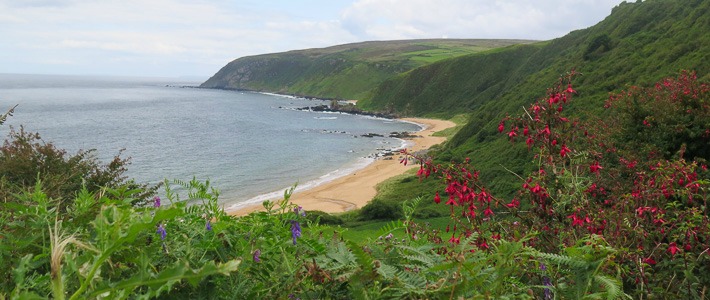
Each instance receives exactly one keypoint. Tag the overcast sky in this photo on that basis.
(171, 38)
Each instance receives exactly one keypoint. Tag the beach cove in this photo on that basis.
(355, 190)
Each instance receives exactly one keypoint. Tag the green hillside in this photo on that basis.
(639, 43)
(345, 71)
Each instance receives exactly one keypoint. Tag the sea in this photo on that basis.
(251, 146)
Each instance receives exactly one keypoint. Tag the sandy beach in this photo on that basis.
(356, 189)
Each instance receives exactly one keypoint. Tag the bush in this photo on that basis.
(26, 159)
(379, 209)
(324, 218)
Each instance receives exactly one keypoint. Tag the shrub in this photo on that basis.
(324, 218)
(26, 159)
(379, 209)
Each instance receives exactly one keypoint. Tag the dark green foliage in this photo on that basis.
(25, 160)
(324, 218)
(378, 209)
(597, 47)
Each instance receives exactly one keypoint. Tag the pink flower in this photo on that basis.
(595, 167)
(501, 126)
(437, 199)
(513, 203)
(673, 248)
(569, 89)
(564, 151)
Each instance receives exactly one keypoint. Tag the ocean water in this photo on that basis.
(251, 146)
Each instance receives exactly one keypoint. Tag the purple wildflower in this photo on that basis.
(257, 255)
(299, 211)
(546, 282)
(295, 230)
(162, 232)
(156, 202)
(208, 225)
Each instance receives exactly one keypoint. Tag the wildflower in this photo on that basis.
(570, 90)
(650, 261)
(161, 231)
(488, 212)
(513, 203)
(156, 202)
(512, 133)
(546, 131)
(594, 168)
(295, 230)
(257, 255)
(454, 240)
(300, 211)
(673, 248)
(208, 225)
(576, 221)
(564, 151)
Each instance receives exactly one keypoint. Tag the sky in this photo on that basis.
(195, 38)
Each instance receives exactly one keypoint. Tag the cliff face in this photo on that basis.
(344, 71)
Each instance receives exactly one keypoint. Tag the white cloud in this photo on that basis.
(472, 18)
(182, 37)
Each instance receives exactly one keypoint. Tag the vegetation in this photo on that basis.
(341, 72)
(606, 214)
(598, 189)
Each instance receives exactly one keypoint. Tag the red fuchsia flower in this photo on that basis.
(437, 199)
(570, 90)
(529, 142)
(451, 201)
(649, 261)
(513, 133)
(488, 212)
(501, 126)
(564, 151)
(513, 203)
(483, 245)
(454, 240)
(673, 248)
(576, 221)
(595, 167)
(546, 131)
(526, 131)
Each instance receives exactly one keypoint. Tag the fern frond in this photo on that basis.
(562, 260)
(612, 287)
(390, 227)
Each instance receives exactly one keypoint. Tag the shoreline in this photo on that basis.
(357, 188)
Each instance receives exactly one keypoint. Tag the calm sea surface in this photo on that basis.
(246, 144)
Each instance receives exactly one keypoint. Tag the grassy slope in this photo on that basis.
(345, 71)
(647, 41)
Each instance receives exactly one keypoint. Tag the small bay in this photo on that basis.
(247, 144)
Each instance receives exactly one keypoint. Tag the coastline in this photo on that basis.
(356, 189)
